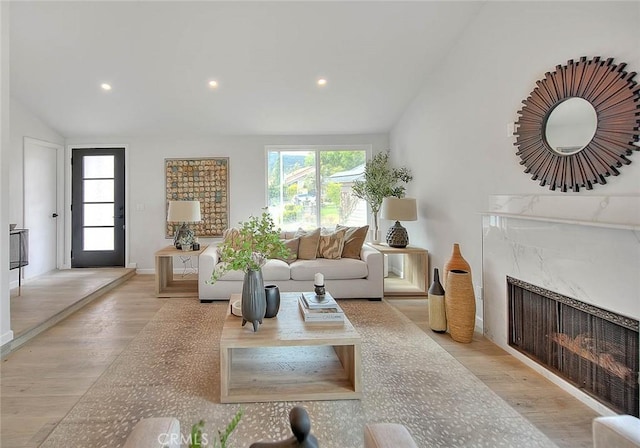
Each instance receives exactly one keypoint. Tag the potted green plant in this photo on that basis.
(198, 438)
(381, 180)
(248, 249)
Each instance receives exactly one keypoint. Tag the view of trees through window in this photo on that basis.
(312, 187)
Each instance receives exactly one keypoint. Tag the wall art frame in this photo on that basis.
(200, 179)
(614, 95)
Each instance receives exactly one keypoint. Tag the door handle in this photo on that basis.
(55, 215)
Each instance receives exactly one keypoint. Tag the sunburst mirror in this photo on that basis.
(579, 124)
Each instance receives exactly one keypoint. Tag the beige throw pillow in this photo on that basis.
(353, 240)
(292, 245)
(308, 247)
(232, 236)
(331, 244)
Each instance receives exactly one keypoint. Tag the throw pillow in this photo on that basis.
(308, 247)
(232, 236)
(331, 244)
(292, 245)
(353, 240)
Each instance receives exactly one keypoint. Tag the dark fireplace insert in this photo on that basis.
(592, 348)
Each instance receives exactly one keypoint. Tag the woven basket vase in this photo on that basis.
(456, 261)
(460, 304)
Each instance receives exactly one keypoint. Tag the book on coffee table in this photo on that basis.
(314, 301)
(334, 314)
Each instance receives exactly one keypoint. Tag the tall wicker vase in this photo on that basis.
(460, 304)
(456, 261)
(437, 316)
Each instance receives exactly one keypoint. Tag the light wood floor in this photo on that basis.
(47, 376)
(48, 295)
(560, 416)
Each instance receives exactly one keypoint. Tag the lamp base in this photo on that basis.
(397, 236)
(182, 232)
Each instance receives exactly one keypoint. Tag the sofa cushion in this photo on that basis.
(157, 432)
(353, 240)
(619, 431)
(287, 235)
(231, 236)
(343, 269)
(308, 243)
(331, 244)
(387, 435)
(292, 245)
(273, 270)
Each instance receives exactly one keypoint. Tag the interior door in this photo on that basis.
(97, 210)
(41, 205)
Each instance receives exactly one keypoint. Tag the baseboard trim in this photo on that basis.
(6, 337)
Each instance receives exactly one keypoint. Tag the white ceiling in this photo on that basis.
(266, 56)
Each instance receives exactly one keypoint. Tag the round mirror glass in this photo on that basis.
(570, 126)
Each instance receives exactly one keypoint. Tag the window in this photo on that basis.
(311, 186)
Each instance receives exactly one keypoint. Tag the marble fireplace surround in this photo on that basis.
(584, 247)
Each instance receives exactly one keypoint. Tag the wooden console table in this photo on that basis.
(166, 284)
(415, 281)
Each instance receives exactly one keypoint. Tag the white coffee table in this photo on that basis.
(288, 359)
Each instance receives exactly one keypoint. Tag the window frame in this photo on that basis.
(367, 148)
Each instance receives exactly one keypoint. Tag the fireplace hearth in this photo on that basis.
(592, 348)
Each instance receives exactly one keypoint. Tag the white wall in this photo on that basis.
(5, 318)
(454, 134)
(146, 188)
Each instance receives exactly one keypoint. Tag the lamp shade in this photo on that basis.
(399, 209)
(184, 211)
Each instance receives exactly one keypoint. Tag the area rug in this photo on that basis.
(172, 369)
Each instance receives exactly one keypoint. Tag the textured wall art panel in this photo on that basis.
(205, 180)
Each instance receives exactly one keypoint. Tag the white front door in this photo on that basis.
(41, 205)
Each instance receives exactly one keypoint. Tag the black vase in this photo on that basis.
(253, 301)
(437, 314)
(272, 294)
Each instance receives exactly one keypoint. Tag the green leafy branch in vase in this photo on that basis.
(198, 438)
(381, 180)
(250, 246)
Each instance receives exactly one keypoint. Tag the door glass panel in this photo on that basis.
(98, 215)
(98, 190)
(100, 238)
(98, 167)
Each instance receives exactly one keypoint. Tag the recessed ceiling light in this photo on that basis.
(213, 84)
(105, 86)
(322, 82)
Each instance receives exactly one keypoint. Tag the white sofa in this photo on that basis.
(345, 278)
(618, 431)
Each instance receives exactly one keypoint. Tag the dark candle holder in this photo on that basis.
(319, 290)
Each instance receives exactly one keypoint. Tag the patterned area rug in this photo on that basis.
(171, 369)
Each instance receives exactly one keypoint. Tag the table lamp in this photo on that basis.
(183, 212)
(398, 209)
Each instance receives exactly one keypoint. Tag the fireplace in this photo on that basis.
(594, 349)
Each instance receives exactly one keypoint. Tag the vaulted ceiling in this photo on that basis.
(266, 57)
